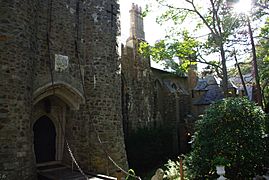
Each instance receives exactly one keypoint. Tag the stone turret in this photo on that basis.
(59, 82)
(136, 75)
(16, 59)
(136, 23)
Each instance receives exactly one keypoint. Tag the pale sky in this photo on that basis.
(152, 30)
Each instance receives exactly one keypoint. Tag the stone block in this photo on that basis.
(21, 154)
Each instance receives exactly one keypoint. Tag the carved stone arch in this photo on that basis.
(70, 95)
(55, 101)
(157, 81)
(157, 102)
(39, 114)
(57, 115)
(174, 86)
(157, 86)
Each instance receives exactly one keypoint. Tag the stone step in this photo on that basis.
(61, 172)
(51, 167)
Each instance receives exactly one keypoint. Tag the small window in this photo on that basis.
(174, 86)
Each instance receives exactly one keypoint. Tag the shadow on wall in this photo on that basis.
(148, 148)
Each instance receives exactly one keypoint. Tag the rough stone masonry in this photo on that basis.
(60, 71)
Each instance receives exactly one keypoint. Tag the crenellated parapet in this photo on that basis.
(136, 23)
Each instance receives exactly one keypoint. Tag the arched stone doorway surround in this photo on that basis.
(66, 92)
(54, 101)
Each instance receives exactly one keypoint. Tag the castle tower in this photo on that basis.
(136, 77)
(59, 82)
(136, 23)
(16, 87)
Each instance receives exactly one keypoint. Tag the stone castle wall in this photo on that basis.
(16, 58)
(151, 98)
(86, 33)
(137, 90)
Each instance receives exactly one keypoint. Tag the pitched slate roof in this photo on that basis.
(249, 79)
(213, 91)
(180, 88)
(201, 85)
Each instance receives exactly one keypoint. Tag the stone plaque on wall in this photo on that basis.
(61, 62)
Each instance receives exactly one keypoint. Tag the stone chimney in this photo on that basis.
(231, 3)
(136, 23)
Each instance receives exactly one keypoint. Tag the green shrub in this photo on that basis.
(267, 139)
(172, 171)
(232, 130)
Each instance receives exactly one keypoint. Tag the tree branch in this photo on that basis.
(201, 17)
(202, 60)
(176, 8)
(214, 15)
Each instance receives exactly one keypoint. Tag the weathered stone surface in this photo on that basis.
(34, 32)
(151, 97)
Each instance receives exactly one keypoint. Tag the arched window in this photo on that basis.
(174, 86)
(157, 99)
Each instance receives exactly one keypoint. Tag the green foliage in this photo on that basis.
(129, 177)
(220, 161)
(171, 50)
(231, 132)
(147, 148)
(263, 56)
(262, 8)
(267, 138)
(246, 68)
(172, 171)
(211, 28)
(146, 11)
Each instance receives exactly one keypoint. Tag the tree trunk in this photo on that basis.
(240, 74)
(224, 71)
(255, 66)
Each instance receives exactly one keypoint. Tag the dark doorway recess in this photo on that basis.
(44, 140)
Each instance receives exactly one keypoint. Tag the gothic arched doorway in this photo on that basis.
(44, 140)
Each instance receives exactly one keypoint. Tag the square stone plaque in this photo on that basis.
(61, 62)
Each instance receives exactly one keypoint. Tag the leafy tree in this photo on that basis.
(263, 56)
(213, 17)
(246, 68)
(262, 7)
(232, 130)
(172, 170)
(186, 50)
